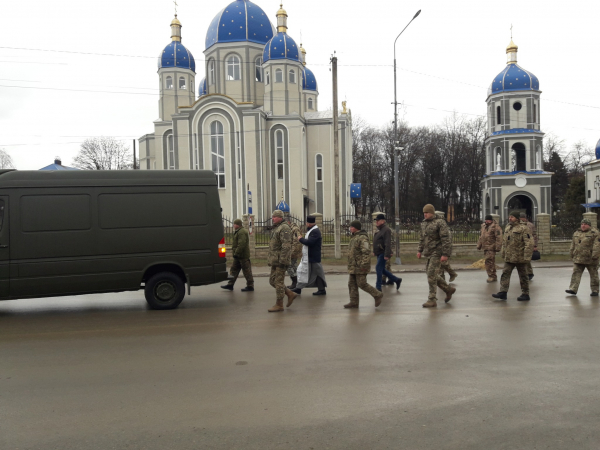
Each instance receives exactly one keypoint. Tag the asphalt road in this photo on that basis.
(105, 372)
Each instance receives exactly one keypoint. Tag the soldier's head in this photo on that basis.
(355, 226)
(429, 212)
(489, 219)
(237, 224)
(379, 220)
(277, 216)
(586, 224)
(514, 216)
(523, 217)
(310, 222)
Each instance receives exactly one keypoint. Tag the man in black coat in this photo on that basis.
(310, 271)
(382, 249)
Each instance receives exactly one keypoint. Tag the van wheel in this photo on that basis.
(164, 290)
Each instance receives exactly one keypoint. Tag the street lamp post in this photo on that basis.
(396, 148)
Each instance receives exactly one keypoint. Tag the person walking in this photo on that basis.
(532, 232)
(585, 251)
(279, 259)
(517, 247)
(296, 252)
(445, 266)
(382, 249)
(240, 247)
(310, 270)
(435, 245)
(359, 266)
(490, 241)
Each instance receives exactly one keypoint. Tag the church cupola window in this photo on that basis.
(258, 69)
(211, 72)
(498, 115)
(182, 83)
(169, 83)
(293, 76)
(233, 68)
(217, 152)
(278, 76)
(268, 78)
(310, 103)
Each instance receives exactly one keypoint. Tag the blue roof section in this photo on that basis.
(240, 21)
(176, 55)
(591, 205)
(516, 131)
(281, 46)
(283, 206)
(57, 167)
(514, 78)
(598, 149)
(202, 88)
(309, 81)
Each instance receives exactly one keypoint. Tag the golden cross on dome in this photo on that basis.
(176, 5)
(511, 31)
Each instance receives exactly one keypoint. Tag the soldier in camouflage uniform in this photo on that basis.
(445, 266)
(435, 245)
(280, 253)
(359, 265)
(240, 247)
(532, 232)
(490, 241)
(296, 252)
(585, 251)
(517, 247)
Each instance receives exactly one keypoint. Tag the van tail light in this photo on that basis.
(222, 249)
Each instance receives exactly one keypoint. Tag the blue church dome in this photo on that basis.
(176, 55)
(240, 21)
(282, 46)
(202, 88)
(598, 149)
(514, 78)
(309, 81)
(283, 206)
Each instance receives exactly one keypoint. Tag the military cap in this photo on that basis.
(587, 222)
(238, 222)
(429, 208)
(380, 217)
(489, 217)
(515, 214)
(277, 213)
(356, 224)
(311, 219)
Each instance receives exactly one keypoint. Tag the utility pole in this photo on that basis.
(337, 230)
(134, 159)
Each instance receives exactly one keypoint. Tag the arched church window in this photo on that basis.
(319, 167)
(534, 113)
(233, 68)
(279, 150)
(310, 103)
(498, 115)
(268, 78)
(278, 76)
(293, 76)
(169, 83)
(211, 72)
(171, 152)
(217, 152)
(258, 69)
(319, 183)
(181, 83)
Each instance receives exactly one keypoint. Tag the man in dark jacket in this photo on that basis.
(310, 271)
(382, 249)
(240, 248)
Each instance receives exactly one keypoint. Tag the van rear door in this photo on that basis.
(4, 250)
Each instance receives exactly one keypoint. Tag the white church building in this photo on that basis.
(254, 120)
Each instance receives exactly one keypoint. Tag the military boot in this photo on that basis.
(430, 304)
(492, 280)
(294, 283)
(571, 291)
(378, 300)
(500, 295)
(352, 304)
(594, 294)
(449, 294)
(278, 307)
(291, 296)
(523, 298)
(452, 278)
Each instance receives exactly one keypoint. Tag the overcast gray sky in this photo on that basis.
(51, 100)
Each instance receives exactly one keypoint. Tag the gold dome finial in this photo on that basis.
(281, 19)
(511, 52)
(302, 55)
(176, 26)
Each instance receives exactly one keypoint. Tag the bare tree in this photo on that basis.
(6, 161)
(103, 153)
(553, 144)
(580, 154)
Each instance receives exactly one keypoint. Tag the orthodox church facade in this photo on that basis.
(514, 177)
(254, 120)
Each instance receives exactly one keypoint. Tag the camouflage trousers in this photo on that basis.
(578, 270)
(358, 281)
(490, 263)
(523, 278)
(388, 267)
(291, 270)
(243, 265)
(433, 277)
(446, 267)
(277, 280)
(529, 268)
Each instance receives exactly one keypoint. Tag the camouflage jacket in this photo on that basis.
(296, 245)
(435, 238)
(517, 244)
(491, 237)
(280, 246)
(359, 253)
(240, 247)
(585, 247)
(533, 232)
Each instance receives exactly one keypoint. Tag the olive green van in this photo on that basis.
(82, 232)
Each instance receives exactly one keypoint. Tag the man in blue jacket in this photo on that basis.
(310, 271)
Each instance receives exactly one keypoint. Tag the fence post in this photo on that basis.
(318, 219)
(248, 220)
(543, 230)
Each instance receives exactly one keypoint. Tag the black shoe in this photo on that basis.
(569, 291)
(297, 291)
(228, 287)
(389, 283)
(398, 283)
(248, 289)
(500, 295)
(530, 277)
(594, 294)
(323, 292)
(523, 298)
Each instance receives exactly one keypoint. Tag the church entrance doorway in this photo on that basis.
(521, 203)
(520, 161)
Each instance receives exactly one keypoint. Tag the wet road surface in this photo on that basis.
(105, 372)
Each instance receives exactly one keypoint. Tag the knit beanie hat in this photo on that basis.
(429, 209)
(489, 217)
(515, 214)
(356, 224)
(587, 222)
(277, 213)
(238, 222)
